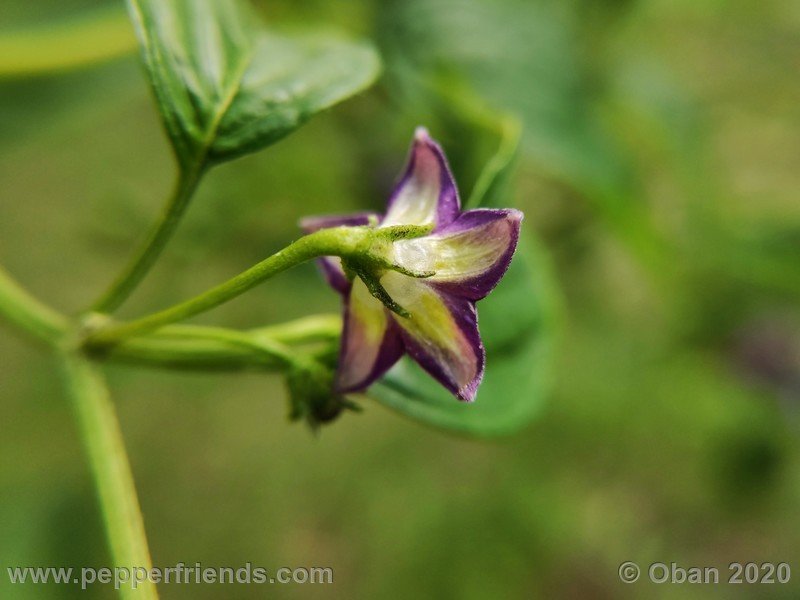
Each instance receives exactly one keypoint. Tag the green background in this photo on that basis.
(659, 168)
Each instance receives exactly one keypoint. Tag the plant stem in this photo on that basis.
(27, 313)
(204, 348)
(99, 428)
(314, 328)
(336, 241)
(166, 351)
(160, 234)
(274, 351)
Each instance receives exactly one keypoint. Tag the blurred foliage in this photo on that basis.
(658, 166)
(92, 36)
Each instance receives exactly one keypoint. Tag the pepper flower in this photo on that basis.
(422, 302)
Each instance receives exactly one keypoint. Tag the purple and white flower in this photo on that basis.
(460, 260)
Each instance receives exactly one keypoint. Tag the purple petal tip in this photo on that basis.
(469, 391)
(421, 134)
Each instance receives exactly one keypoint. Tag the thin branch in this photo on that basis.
(102, 438)
(29, 314)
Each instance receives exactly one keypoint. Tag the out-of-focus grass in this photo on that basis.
(92, 37)
(672, 431)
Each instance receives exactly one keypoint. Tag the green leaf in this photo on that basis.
(518, 325)
(226, 87)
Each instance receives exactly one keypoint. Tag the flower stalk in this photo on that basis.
(197, 347)
(360, 245)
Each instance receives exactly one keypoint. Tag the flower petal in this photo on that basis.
(441, 334)
(370, 344)
(331, 266)
(469, 256)
(426, 193)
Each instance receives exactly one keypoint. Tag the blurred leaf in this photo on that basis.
(94, 36)
(766, 255)
(225, 87)
(517, 326)
(492, 185)
(529, 58)
(762, 254)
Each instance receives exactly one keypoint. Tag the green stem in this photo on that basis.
(204, 348)
(336, 241)
(314, 328)
(27, 313)
(166, 351)
(99, 428)
(151, 249)
(276, 352)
